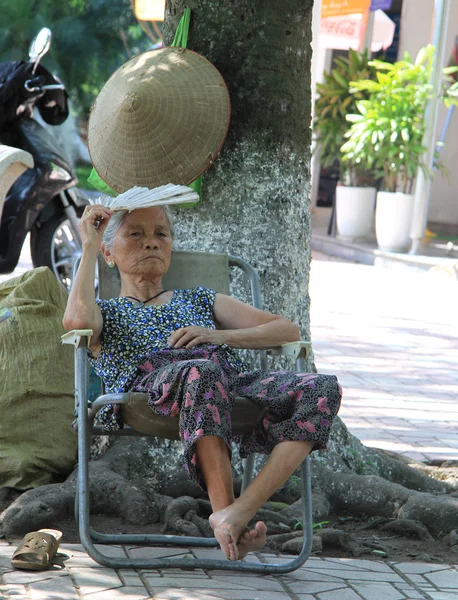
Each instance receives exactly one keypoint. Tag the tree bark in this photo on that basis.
(256, 195)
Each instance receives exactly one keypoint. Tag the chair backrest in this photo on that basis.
(187, 270)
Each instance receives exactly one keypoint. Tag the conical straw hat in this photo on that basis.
(161, 118)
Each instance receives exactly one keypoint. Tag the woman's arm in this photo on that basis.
(244, 326)
(238, 325)
(82, 312)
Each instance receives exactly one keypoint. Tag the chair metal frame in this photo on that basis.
(85, 412)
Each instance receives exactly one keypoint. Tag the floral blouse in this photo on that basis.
(131, 331)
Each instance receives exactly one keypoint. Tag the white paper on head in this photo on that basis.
(142, 197)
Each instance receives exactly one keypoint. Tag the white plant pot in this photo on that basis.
(355, 212)
(393, 220)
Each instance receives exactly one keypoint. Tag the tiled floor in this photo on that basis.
(392, 339)
(319, 579)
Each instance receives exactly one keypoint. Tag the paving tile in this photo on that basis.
(443, 595)
(7, 549)
(314, 587)
(27, 577)
(242, 595)
(183, 595)
(257, 583)
(130, 578)
(124, 593)
(112, 551)
(362, 575)
(444, 579)
(60, 588)
(378, 591)
(14, 590)
(345, 594)
(355, 563)
(213, 554)
(148, 552)
(196, 573)
(213, 584)
(311, 575)
(418, 567)
(95, 580)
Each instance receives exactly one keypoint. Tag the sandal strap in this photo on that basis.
(40, 543)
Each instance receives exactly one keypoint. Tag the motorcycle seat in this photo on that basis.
(13, 162)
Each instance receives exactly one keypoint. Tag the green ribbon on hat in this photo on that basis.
(180, 41)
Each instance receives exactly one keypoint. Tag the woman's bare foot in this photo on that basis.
(234, 538)
(252, 540)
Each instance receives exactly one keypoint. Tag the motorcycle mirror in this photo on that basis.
(40, 45)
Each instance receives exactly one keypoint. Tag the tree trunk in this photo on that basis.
(256, 195)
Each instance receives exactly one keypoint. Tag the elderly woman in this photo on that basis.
(179, 347)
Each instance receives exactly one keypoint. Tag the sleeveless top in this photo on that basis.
(131, 332)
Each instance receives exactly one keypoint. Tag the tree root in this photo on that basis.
(124, 482)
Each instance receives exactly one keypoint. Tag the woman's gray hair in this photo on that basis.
(117, 219)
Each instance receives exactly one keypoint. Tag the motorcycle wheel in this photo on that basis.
(55, 246)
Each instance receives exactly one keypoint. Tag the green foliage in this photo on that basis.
(388, 127)
(335, 101)
(91, 39)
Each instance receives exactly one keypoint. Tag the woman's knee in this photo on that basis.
(205, 368)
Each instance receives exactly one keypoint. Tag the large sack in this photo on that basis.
(37, 445)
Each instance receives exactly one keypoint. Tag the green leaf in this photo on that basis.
(354, 118)
(340, 79)
(405, 134)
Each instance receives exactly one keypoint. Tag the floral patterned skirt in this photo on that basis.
(199, 385)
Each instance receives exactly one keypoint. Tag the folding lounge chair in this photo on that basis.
(188, 269)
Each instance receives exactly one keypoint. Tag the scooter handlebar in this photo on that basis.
(31, 85)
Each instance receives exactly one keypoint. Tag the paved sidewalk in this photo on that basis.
(391, 337)
(319, 579)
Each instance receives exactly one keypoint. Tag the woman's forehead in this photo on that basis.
(146, 216)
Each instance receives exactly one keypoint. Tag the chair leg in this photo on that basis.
(248, 468)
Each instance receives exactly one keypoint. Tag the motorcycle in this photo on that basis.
(43, 201)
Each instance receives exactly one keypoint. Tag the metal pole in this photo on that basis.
(366, 42)
(317, 69)
(423, 187)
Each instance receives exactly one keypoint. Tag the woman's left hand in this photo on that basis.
(188, 337)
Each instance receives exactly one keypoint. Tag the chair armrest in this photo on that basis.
(296, 350)
(77, 337)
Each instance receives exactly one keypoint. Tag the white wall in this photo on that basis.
(416, 29)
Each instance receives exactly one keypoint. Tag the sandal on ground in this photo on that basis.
(37, 550)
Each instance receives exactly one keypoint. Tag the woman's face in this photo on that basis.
(142, 244)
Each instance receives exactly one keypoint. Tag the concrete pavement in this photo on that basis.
(391, 337)
(318, 579)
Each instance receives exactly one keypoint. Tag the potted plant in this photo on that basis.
(355, 194)
(386, 137)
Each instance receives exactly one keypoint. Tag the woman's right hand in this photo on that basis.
(93, 223)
